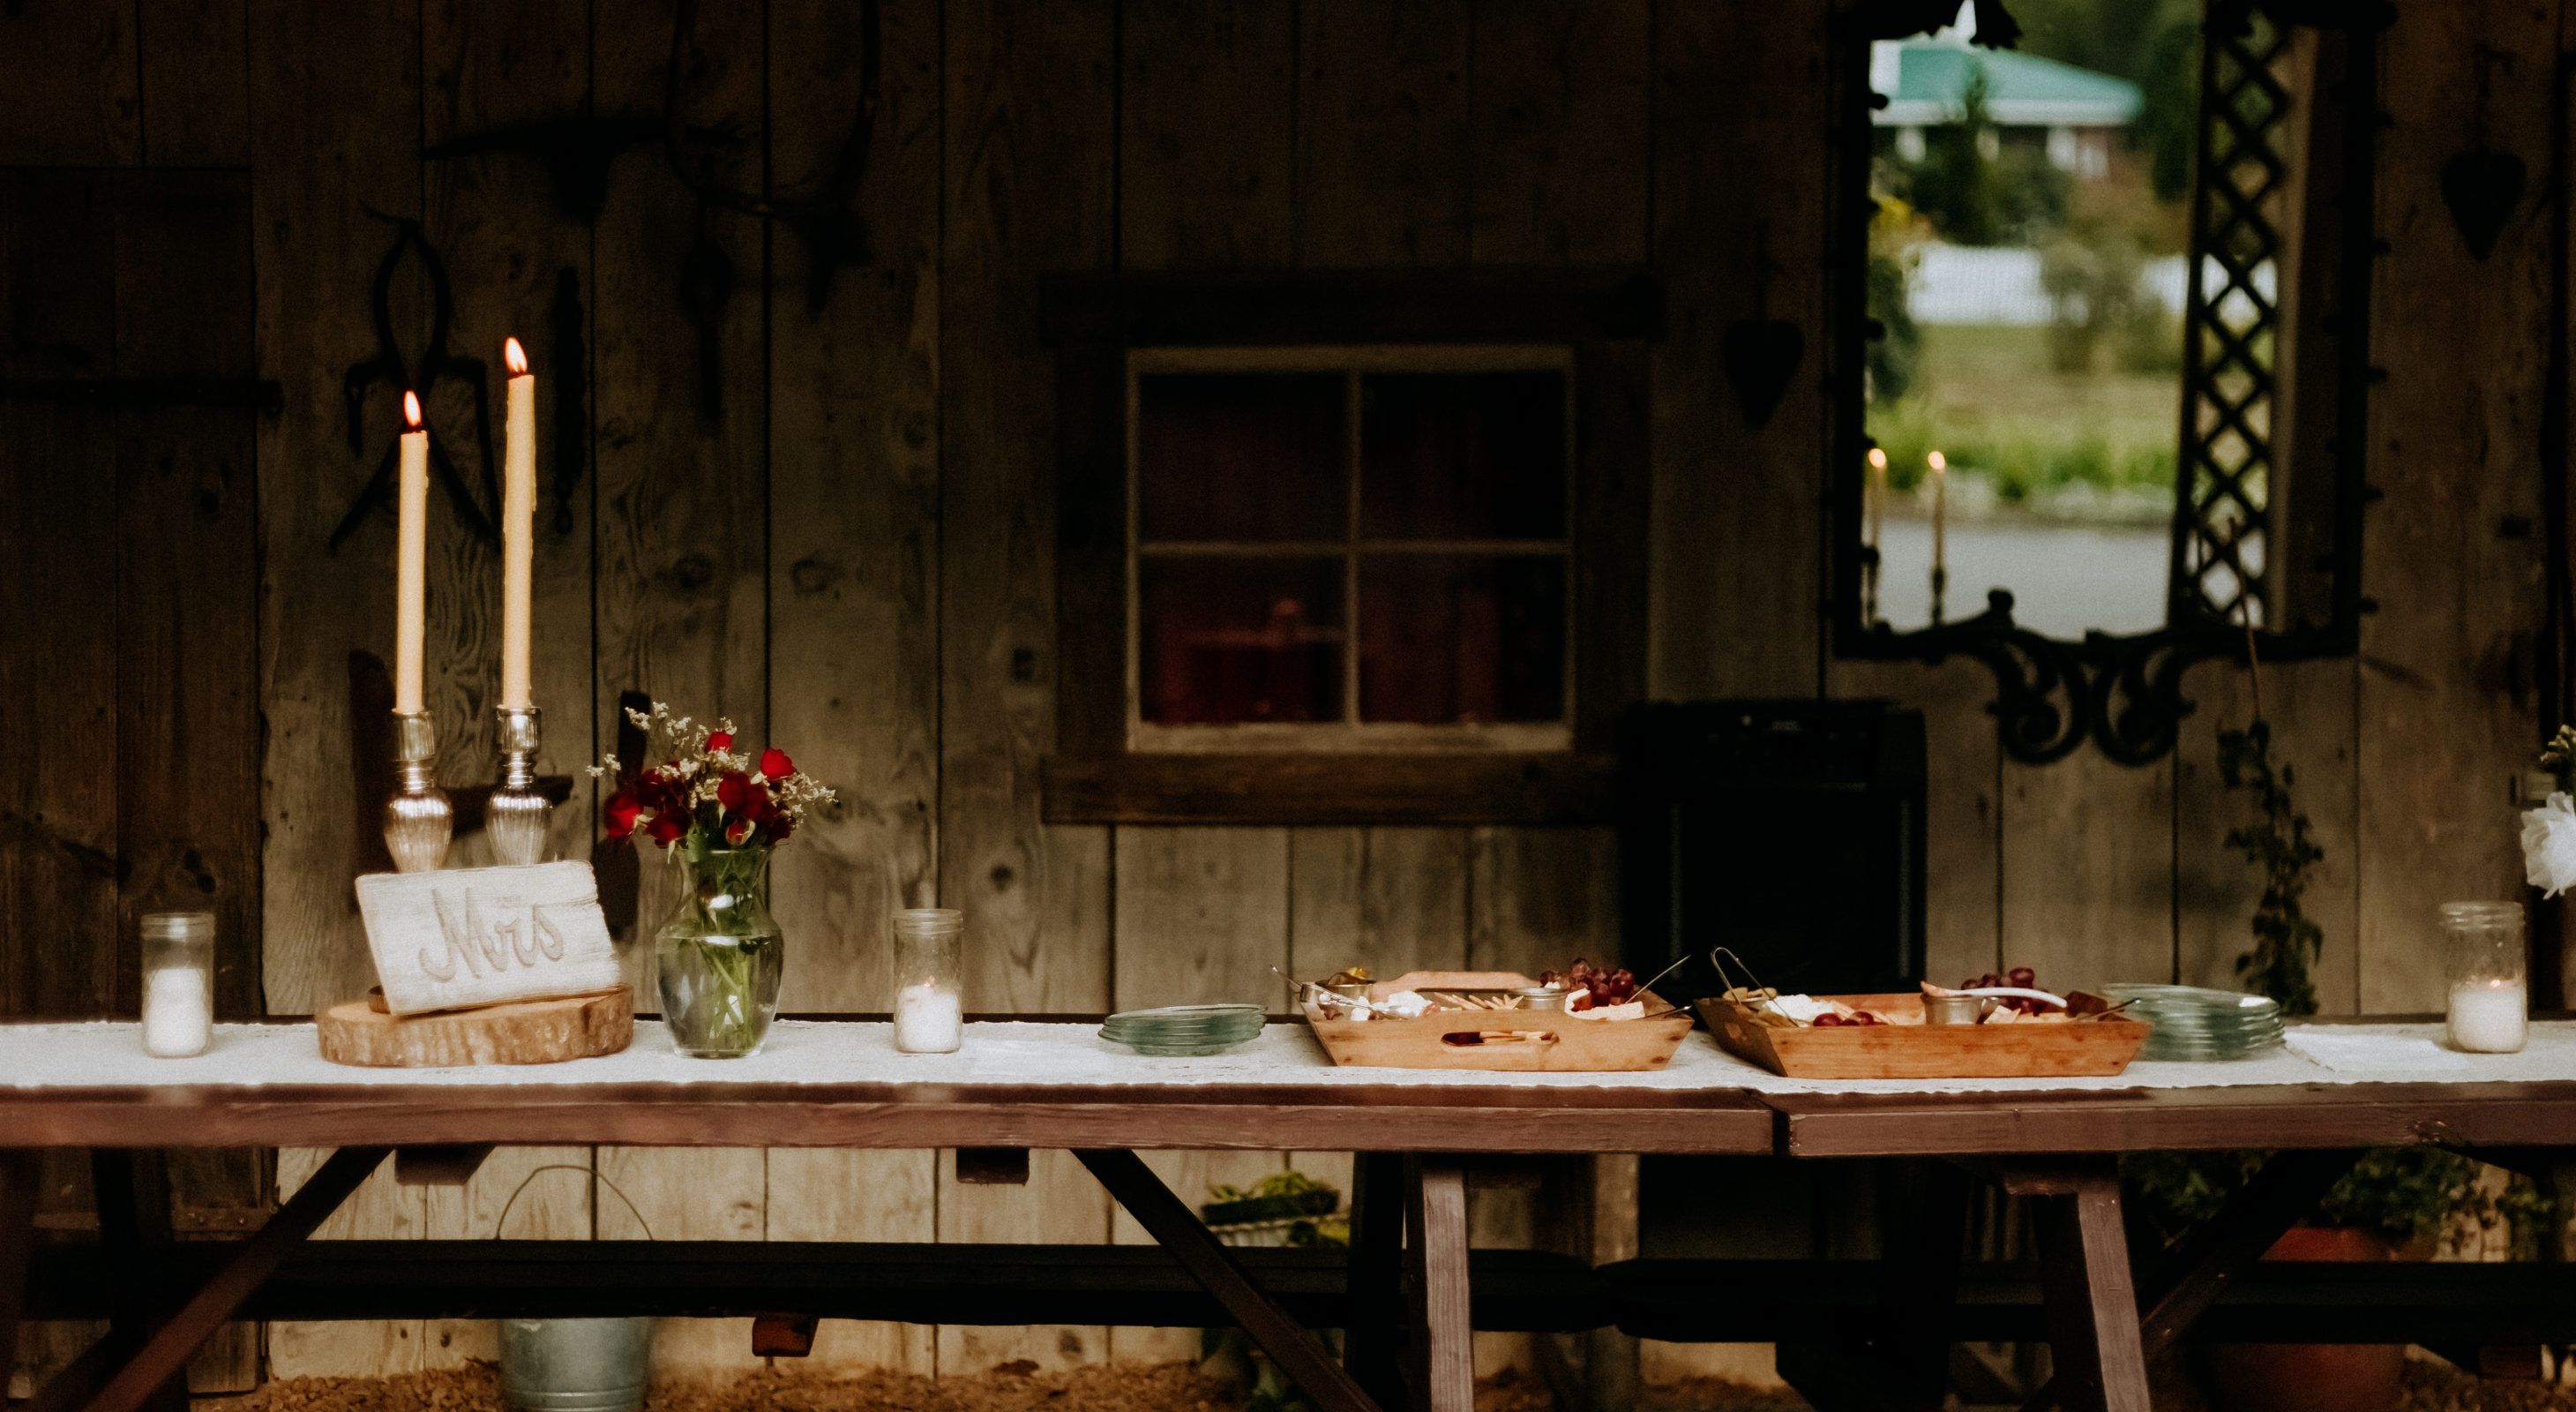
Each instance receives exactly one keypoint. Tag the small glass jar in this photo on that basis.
(2490, 1009)
(929, 1018)
(178, 983)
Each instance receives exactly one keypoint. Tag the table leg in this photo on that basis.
(18, 1171)
(1922, 1279)
(1296, 1350)
(165, 1355)
(1373, 1337)
(1443, 1361)
(2197, 1271)
(1902, 1363)
(2092, 1308)
(132, 1191)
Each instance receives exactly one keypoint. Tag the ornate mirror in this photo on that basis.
(2100, 355)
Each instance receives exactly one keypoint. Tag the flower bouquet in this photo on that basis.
(2549, 832)
(720, 813)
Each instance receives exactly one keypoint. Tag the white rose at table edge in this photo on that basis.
(2549, 844)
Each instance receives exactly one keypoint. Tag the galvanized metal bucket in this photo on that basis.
(575, 1365)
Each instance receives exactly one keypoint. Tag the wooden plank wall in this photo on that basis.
(131, 718)
(833, 520)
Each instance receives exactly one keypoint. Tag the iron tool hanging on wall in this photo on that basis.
(1761, 353)
(437, 364)
(571, 377)
(577, 152)
(706, 286)
(823, 221)
(2483, 185)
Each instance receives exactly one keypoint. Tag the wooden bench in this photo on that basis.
(1774, 1301)
(1125, 1285)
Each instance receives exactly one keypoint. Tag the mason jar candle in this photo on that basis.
(178, 983)
(2490, 1009)
(929, 1018)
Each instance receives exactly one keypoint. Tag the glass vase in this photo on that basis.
(720, 955)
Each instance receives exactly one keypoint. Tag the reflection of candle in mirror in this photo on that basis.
(1877, 496)
(1940, 509)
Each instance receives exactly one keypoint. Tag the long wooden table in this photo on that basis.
(1407, 1337)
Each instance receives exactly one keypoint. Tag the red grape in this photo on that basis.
(2021, 976)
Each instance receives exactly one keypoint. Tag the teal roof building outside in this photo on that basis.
(1926, 82)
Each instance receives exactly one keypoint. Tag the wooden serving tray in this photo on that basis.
(2095, 1048)
(1517, 1041)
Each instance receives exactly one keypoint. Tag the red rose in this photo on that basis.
(733, 790)
(720, 740)
(621, 811)
(740, 830)
(663, 791)
(667, 828)
(775, 765)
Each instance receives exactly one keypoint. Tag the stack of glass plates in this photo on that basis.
(1181, 1030)
(2194, 1024)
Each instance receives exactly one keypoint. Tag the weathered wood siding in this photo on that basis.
(848, 546)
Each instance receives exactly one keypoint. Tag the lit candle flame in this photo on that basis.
(1877, 459)
(515, 356)
(411, 411)
(1937, 462)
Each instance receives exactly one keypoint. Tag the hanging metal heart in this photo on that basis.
(1761, 356)
(2482, 188)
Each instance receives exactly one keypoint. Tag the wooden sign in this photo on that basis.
(477, 936)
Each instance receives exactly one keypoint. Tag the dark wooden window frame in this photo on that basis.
(1093, 322)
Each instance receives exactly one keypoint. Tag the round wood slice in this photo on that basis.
(519, 1032)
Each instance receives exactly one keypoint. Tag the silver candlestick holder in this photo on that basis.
(419, 822)
(515, 819)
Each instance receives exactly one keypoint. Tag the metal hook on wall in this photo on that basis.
(438, 363)
(830, 231)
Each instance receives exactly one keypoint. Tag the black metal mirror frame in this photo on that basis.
(2124, 692)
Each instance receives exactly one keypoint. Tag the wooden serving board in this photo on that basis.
(1523, 1041)
(516, 1032)
(2090, 1048)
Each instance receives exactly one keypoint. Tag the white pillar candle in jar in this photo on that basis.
(928, 1020)
(2490, 993)
(929, 1015)
(178, 983)
(2490, 1017)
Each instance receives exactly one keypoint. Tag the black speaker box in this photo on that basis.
(1788, 831)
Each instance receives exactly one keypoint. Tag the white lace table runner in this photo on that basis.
(74, 1056)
